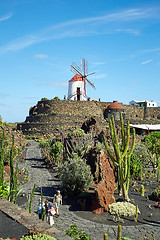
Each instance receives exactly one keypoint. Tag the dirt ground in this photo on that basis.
(149, 212)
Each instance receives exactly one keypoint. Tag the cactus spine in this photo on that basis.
(122, 154)
(2, 159)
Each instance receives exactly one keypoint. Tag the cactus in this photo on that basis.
(42, 207)
(16, 178)
(12, 171)
(105, 236)
(26, 208)
(158, 165)
(122, 154)
(142, 190)
(136, 215)
(80, 146)
(2, 159)
(119, 232)
(31, 200)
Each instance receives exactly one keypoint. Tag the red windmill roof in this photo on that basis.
(115, 104)
(76, 77)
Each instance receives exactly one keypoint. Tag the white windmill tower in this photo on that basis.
(77, 85)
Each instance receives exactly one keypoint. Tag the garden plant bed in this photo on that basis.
(150, 214)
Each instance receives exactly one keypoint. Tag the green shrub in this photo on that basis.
(77, 234)
(43, 143)
(44, 99)
(56, 98)
(142, 152)
(155, 195)
(6, 148)
(77, 133)
(135, 167)
(4, 190)
(75, 175)
(38, 237)
(56, 149)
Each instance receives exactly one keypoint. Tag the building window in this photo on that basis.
(153, 104)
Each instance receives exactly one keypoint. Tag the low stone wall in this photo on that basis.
(65, 116)
(133, 112)
(65, 107)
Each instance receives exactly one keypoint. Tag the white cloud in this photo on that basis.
(100, 76)
(134, 83)
(6, 17)
(98, 63)
(3, 95)
(80, 27)
(59, 84)
(41, 56)
(131, 31)
(148, 61)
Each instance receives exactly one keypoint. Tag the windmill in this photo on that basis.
(78, 91)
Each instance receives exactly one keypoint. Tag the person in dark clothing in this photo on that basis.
(49, 216)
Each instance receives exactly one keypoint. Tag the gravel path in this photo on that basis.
(45, 179)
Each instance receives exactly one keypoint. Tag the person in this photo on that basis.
(57, 200)
(47, 208)
(39, 208)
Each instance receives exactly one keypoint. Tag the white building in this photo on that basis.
(143, 103)
(77, 89)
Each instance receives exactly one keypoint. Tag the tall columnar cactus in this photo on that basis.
(16, 178)
(105, 236)
(31, 200)
(136, 215)
(158, 164)
(142, 190)
(12, 171)
(122, 154)
(42, 206)
(119, 232)
(2, 158)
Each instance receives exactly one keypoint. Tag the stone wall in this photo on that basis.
(65, 107)
(137, 114)
(133, 112)
(53, 116)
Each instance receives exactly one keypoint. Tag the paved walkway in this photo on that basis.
(45, 178)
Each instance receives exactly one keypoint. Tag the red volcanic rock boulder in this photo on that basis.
(104, 174)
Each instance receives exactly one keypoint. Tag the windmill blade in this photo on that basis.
(90, 82)
(72, 70)
(86, 67)
(90, 74)
(72, 67)
(76, 67)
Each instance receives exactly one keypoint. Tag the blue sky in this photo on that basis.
(40, 39)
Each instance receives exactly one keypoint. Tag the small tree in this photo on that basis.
(75, 175)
